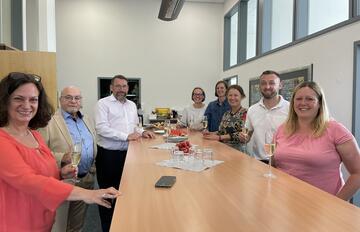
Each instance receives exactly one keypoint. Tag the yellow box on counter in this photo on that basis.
(162, 111)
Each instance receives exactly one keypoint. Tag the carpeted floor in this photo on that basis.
(92, 220)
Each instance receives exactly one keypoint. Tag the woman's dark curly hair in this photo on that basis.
(13, 81)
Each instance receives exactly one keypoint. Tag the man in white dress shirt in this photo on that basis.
(268, 114)
(116, 121)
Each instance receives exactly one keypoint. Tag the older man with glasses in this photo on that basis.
(69, 126)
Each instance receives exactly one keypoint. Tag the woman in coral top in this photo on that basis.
(311, 146)
(30, 190)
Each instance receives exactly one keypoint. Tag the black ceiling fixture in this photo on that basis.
(170, 9)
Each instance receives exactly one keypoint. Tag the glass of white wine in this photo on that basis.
(245, 132)
(140, 124)
(75, 158)
(269, 150)
(205, 122)
(167, 128)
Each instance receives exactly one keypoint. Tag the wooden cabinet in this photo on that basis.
(42, 64)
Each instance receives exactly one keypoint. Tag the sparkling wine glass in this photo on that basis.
(191, 122)
(167, 128)
(140, 124)
(269, 150)
(205, 122)
(75, 158)
(245, 132)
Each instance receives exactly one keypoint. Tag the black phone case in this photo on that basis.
(165, 182)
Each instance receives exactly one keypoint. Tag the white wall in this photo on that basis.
(97, 38)
(332, 57)
(5, 22)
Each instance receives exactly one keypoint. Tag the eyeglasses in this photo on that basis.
(19, 75)
(198, 94)
(71, 98)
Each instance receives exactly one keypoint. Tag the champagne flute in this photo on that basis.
(245, 132)
(269, 150)
(140, 124)
(75, 158)
(191, 122)
(205, 122)
(167, 128)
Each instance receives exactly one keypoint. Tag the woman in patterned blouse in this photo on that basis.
(232, 121)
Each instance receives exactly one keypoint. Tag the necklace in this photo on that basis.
(16, 133)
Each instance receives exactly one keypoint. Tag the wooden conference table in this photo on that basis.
(233, 196)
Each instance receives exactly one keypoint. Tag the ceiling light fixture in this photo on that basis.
(170, 9)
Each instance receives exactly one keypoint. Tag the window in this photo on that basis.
(231, 80)
(233, 39)
(325, 13)
(282, 23)
(251, 29)
(277, 24)
(255, 27)
(240, 33)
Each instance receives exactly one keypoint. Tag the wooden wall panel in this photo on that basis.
(39, 63)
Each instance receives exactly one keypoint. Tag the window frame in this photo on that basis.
(299, 30)
(228, 80)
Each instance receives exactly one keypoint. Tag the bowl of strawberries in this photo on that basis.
(184, 146)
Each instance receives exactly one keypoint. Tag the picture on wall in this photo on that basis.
(134, 93)
(290, 79)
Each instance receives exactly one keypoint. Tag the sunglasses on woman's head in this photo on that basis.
(19, 75)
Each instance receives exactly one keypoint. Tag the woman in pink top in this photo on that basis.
(30, 190)
(311, 146)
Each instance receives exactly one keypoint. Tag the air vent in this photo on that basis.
(170, 9)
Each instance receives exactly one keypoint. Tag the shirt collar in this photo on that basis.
(112, 98)
(67, 115)
(223, 103)
(279, 105)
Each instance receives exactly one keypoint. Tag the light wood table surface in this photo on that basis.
(233, 196)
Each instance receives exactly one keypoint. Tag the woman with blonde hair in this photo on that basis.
(311, 146)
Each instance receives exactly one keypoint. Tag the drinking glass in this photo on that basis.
(269, 150)
(198, 158)
(205, 122)
(167, 128)
(178, 120)
(191, 122)
(178, 157)
(245, 132)
(208, 157)
(140, 124)
(75, 158)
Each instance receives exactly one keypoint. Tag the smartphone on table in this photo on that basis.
(165, 182)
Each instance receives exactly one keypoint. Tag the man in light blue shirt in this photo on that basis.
(67, 127)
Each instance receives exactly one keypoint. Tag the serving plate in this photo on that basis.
(159, 132)
(175, 139)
